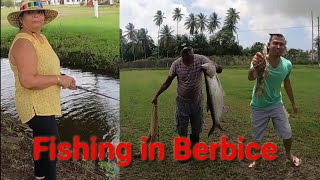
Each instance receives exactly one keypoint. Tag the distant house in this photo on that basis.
(69, 2)
(72, 1)
(55, 2)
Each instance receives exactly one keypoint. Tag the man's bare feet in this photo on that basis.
(254, 164)
(39, 178)
(294, 160)
(137, 155)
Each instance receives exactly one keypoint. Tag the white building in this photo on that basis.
(69, 2)
(73, 1)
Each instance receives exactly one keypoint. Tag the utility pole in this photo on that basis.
(312, 40)
(96, 8)
(318, 44)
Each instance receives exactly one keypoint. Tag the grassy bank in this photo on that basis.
(16, 157)
(78, 37)
(138, 88)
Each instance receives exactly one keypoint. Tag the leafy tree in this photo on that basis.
(7, 3)
(200, 44)
(256, 47)
(297, 56)
(316, 42)
(223, 43)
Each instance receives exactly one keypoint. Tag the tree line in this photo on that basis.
(221, 38)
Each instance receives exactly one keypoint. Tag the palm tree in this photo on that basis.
(214, 22)
(233, 15)
(144, 38)
(123, 42)
(158, 19)
(177, 15)
(191, 23)
(131, 34)
(231, 20)
(166, 37)
(202, 22)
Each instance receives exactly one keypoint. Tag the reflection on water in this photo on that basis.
(84, 113)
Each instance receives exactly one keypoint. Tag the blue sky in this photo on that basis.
(258, 18)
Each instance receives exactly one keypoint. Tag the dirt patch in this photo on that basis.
(16, 157)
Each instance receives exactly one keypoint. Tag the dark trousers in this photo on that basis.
(44, 126)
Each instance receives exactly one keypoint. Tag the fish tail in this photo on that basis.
(220, 127)
(211, 130)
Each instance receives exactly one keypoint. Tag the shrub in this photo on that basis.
(8, 3)
(82, 3)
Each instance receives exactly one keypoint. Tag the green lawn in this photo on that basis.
(78, 19)
(138, 88)
(76, 35)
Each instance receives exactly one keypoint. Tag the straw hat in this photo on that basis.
(13, 18)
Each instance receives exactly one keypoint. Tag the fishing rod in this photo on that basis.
(85, 89)
(82, 88)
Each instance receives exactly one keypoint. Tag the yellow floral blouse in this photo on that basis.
(43, 102)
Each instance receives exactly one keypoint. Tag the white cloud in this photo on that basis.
(271, 15)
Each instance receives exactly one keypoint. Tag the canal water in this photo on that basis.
(85, 113)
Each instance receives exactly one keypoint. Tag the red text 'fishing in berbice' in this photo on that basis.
(182, 150)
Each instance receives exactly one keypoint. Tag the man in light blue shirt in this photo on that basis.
(267, 104)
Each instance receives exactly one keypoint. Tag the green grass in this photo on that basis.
(138, 88)
(77, 36)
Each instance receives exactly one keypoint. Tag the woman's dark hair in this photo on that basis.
(20, 16)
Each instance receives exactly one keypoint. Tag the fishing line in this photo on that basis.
(85, 89)
(82, 88)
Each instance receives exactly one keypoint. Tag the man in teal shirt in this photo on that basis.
(268, 104)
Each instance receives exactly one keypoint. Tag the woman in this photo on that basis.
(38, 82)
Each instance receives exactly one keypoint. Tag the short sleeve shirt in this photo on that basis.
(189, 78)
(272, 85)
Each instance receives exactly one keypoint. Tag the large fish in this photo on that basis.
(215, 93)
